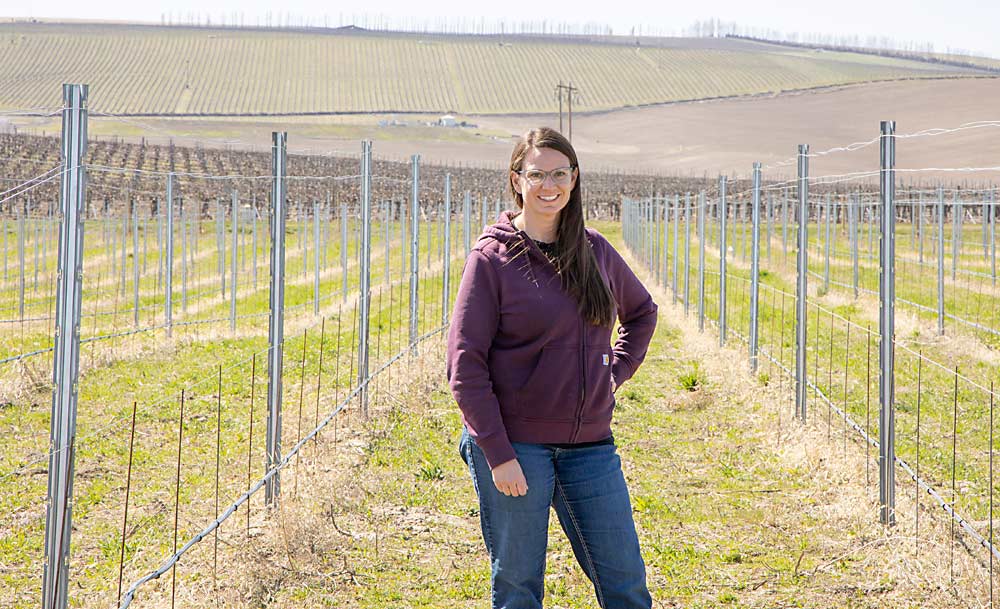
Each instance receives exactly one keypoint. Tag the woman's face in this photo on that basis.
(548, 197)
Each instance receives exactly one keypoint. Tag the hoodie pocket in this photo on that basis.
(552, 391)
(599, 400)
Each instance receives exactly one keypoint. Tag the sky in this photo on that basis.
(961, 24)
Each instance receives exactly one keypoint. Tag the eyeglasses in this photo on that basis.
(559, 175)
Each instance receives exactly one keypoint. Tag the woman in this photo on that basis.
(531, 366)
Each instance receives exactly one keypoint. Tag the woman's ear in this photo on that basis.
(515, 182)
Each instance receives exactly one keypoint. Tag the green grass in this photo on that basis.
(725, 517)
(715, 501)
(151, 370)
(844, 365)
(142, 69)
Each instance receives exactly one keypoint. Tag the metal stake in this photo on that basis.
(276, 327)
(940, 261)
(364, 302)
(887, 296)
(446, 285)
(702, 210)
(66, 359)
(316, 257)
(234, 265)
(722, 261)
(754, 265)
(801, 321)
(414, 250)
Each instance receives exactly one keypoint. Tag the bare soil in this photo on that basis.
(687, 139)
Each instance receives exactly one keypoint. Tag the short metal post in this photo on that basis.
(722, 260)
(651, 236)
(802, 273)
(66, 359)
(993, 238)
(770, 212)
(343, 251)
(887, 297)
(303, 237)
(956, 233)
(446, 259)
(145, 244)
(159, 247)
(276, 326)
(743, 228)
(404, 252)
(702, 211)
(826, 244)
(664, 211)
(852, 220)
(365, 278)
(4, 228)
(920, 228)
(316, 257)
(253, 243)
(784, 224)
(220, 239)
(124, 252)
(754, 265)
(467, 221)
(20, 258)
(735, 206)
(135, 268)
(234, 264)
(415, 250)
(687, 251)
(871, 231)
(387, 221)
(677, 222)
(984, 210)
(184, 257)
(168, 269)
(940, 261)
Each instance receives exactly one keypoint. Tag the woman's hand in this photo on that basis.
(509, 479)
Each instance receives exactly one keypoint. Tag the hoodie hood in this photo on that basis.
(503, 230)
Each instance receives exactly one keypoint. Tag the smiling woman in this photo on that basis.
(531, 365)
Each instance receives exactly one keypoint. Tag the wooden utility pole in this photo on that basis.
(570, 89)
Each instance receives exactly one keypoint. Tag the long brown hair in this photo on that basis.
(578, 266)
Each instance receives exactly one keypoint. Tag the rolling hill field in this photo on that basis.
(174, 71)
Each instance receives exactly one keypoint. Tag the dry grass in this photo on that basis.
(797, 526)
(852, 560)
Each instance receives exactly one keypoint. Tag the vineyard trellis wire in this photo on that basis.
(170, 283)
(780, 265)
(416, 218)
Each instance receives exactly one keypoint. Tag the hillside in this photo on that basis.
(150, 70)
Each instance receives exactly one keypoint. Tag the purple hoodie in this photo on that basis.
(523, 364)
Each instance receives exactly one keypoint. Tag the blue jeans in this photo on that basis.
(587, 489)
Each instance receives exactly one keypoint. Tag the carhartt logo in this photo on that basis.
(605, 358)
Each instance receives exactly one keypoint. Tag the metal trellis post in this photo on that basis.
(802, 271)
(234, 263)
(415, 250)
(365, 278)
(887, 295)
(754, 265)
(66, 358)
(702, 210)
(722, 260)
(276, 328)
(446, 278)
(940, 261)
